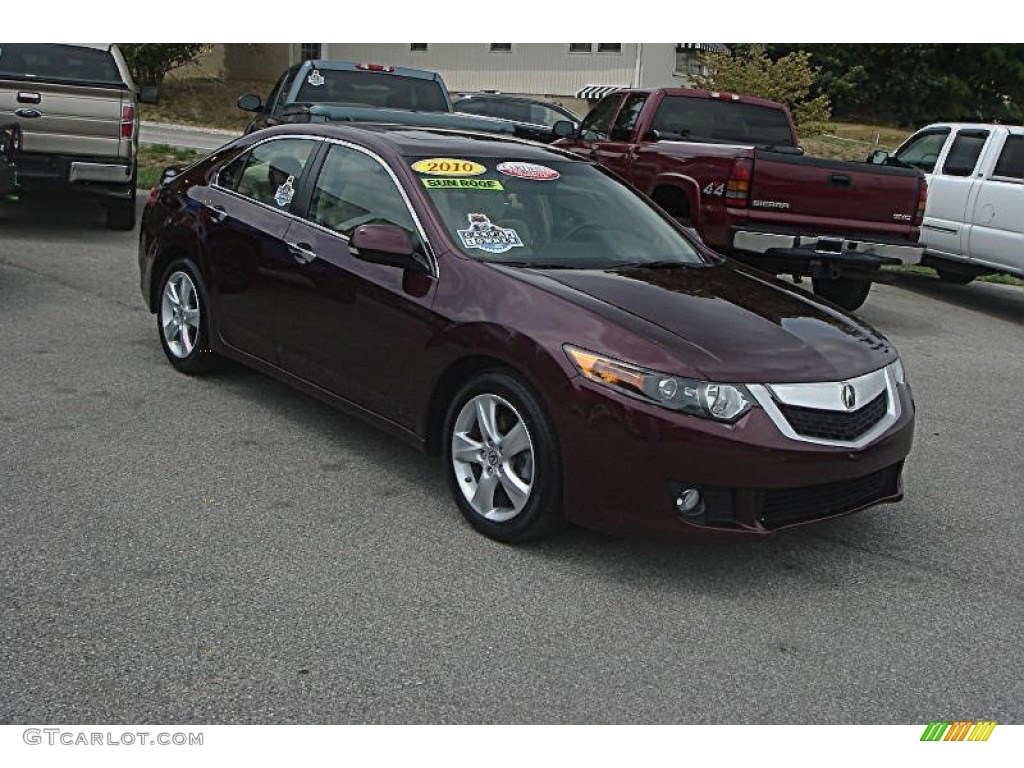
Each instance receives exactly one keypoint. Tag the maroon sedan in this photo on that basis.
(570, 351)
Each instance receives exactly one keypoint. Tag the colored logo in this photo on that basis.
(530, 171)
(447, 166)
(959, 730)
(488, 237)
(849, 397)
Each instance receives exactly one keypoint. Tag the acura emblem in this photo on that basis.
(849, 396)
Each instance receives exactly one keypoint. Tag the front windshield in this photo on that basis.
(557, 214)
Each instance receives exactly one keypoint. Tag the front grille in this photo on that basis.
(786, 506)
(835, 425)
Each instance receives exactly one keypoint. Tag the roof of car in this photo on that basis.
(413, 141)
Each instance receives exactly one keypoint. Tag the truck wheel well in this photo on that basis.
(675, 202)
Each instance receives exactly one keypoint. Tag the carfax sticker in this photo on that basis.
(447, 166)
(530, 171)
(315, 78)
(462, 184)
(488, 237)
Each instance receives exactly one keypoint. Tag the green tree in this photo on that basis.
(749, 70)
(149, 62)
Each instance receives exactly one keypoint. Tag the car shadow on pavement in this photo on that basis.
(45, 213)
(1003, 302)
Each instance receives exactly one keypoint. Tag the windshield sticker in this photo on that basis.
(488, 237)
(446, 166)
(463, 184)
(315, 78)
(530, 171)
(285, 192)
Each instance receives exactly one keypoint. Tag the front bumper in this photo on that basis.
(626, 463)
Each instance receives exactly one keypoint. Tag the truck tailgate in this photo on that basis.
(70, 120)
(811, 194)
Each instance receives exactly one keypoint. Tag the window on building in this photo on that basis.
(609, 47)
(688, 62)
(581, 47)
(310, 51)
(501, 47)
(418, 47)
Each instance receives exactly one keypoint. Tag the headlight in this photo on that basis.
(722, 402)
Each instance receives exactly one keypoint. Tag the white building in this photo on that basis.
(564, 72)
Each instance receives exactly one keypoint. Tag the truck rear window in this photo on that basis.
(58, 63)
(687, 118)
(372, 89)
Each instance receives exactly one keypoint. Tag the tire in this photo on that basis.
(845, 292)
(121, 214)
(956, 278)
(183, 320)
(507, 478)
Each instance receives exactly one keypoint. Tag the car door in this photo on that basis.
(595, 128)
(951, 192)
(357, 329)
(616, 152)
(246, 213)
(996, 235)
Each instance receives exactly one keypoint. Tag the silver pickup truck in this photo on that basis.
(76, 109)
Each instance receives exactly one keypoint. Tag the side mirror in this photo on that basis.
(652, 135)
(250, 103)
(386, 244)
(878, 157)
(168, 174)
(149, 94)
(565, 129)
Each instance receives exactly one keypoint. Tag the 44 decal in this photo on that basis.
(715, 189)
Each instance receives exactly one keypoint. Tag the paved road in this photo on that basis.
(225, 549)
(205, 139)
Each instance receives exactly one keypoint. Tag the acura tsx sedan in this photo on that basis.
(570, 351)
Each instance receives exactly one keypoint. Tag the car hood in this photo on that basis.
(725, 323)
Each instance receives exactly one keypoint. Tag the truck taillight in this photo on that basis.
(922, 201)
(737, 186)
(376, 67)
(127, 121)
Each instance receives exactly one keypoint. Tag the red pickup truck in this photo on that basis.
(729, 166)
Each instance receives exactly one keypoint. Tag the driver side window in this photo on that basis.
(595, 125)
(355, 189)
(923, 150)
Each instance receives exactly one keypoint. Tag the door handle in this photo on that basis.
(217, 212)
(29, 97)
(302, 252)
(840, 180)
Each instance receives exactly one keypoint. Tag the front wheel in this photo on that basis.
(502, 459)
(846, 292)
(183, 320)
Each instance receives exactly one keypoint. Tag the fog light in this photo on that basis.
(688, 501)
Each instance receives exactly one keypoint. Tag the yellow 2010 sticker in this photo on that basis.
(447, 166)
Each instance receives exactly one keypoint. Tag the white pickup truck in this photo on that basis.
(974, 220)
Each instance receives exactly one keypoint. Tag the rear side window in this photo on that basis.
(354, 189)
(690, 118)
(963, 155)
(270, 172)
(58, 63)
(1011, 159)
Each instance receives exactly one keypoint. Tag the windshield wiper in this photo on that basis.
(663, 264)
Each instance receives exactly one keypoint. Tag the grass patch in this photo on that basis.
(854, 141)
(153, 158)
(917, 269)
(204, 102)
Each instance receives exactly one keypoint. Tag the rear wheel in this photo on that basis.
(121, 213)
(502, 459)
(183, 319)
(846, 292)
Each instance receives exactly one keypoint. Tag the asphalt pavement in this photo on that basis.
(227, 550)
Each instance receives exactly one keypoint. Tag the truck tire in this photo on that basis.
(846, 292)
(953, 276)
(121, 214)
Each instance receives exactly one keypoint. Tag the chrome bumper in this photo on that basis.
(106, 173)
(824, 245)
